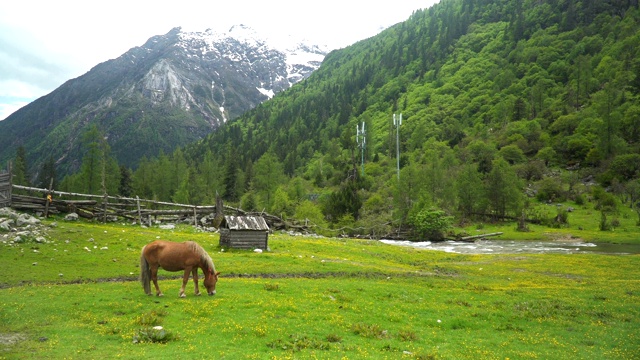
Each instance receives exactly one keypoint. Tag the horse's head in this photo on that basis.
(210, 280)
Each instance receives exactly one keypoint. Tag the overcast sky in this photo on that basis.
(44, 43)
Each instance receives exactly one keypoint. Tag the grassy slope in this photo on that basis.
(307, 298)
(583, 223)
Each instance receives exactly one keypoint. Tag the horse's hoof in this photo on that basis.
(160, 294)
(198, 294)
(183, 295)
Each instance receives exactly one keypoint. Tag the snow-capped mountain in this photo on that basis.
(300, 58)
(174, 89)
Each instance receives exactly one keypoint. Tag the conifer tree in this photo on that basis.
(47, 175)
(20, 168)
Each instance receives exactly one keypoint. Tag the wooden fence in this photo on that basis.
(145, 212)
(5, 187)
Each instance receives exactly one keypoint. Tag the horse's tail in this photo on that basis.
(145, 273)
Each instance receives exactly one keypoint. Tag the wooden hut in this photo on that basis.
(244, 232)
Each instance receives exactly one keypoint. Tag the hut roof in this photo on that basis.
(244, 223)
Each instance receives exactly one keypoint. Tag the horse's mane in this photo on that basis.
(205, 259)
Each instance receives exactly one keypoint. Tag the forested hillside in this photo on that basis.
(503, 103)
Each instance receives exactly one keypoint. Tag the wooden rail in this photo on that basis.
(135, 209)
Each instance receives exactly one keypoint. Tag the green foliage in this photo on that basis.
(20, 168)
(513, 154)
(125, 188)
(626, 167)
(550, 189)
(47, 177)
(156, 334)
(605, 225)
(99, 172)
(468, 184)
(248, 201)
(605, 201)
(281, 203)
(307, 210)
(268, 175)
(344, 201)
(431, 224)
(504, 191)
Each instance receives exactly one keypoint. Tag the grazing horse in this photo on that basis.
(172, 256)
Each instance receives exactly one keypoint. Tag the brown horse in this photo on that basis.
(172, 256)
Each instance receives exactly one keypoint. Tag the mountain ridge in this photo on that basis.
(172, 90)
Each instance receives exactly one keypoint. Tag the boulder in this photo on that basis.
(26, 219)
(71, 217)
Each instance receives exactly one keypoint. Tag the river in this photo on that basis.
(522, 247)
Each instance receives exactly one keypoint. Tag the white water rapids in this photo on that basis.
(520, 247)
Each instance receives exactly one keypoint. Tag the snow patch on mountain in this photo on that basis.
(299, 56)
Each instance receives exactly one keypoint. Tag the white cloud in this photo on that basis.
(7, 108)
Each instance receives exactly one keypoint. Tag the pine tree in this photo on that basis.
(231, 178)
(20, 174)
(47, 175)
(126, 182)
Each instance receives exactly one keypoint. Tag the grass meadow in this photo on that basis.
(77, 297)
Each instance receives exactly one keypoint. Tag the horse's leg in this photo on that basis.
(154, 277)
(195, 279)
(185, 279)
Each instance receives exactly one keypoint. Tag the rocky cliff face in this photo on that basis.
(174, 89)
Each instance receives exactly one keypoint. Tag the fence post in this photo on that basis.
(139, 212)
(6, 185)
(48, 200)
(195, 217)
(104, 206)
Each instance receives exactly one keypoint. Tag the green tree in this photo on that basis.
(626, 167)
(503, 188)
(211, 176)
(268, 175)
(231, 177)
(411, 184)
(606, 104)
(142, 179)
(311, 214)
(126, 182)
(20, 168)
(513, 154)
(91, 168)
(281, 203)
(468, 190)
(431, 224)
(183, 194)
(248, 201)
(99, 171)
(344, 202)
(48, 174)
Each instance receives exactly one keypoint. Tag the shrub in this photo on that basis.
(431, 224)
(368, 330)
(604, 224)
(156, 334)
(625, 167)
(550, 189)
(271, 287)
(605, 202)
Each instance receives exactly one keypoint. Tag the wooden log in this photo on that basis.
(87, 214)
(481, 236)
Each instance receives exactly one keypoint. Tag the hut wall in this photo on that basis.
(244, 239)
